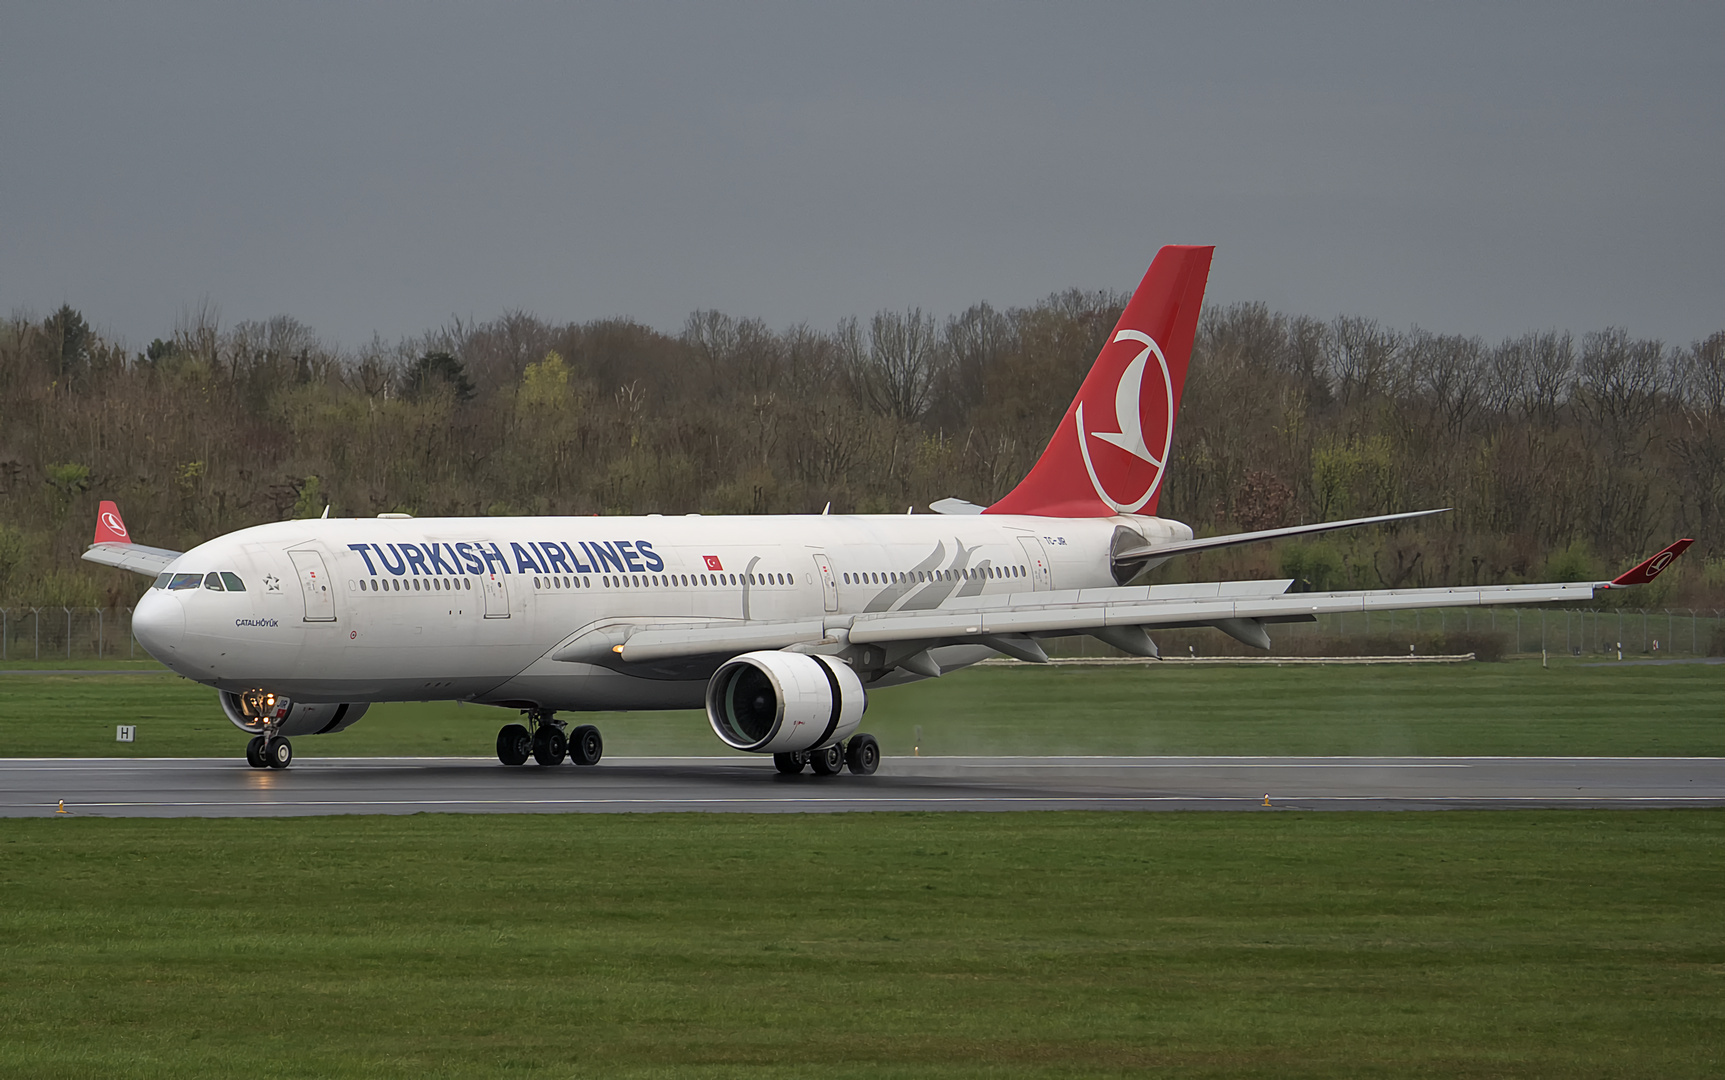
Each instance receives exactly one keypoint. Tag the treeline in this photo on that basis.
(1562, 456)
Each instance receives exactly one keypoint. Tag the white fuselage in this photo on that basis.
(371, 609)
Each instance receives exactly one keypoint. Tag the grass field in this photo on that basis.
(1515, 707)
(1462, 944)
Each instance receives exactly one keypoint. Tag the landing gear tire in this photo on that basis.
(514, 744)
(862, 755)
(585, 745)
(255, 753)
(550, 746)
(828, 762)
(278, 753)
(790, 764)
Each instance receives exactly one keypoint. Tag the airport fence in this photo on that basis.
(61, 633)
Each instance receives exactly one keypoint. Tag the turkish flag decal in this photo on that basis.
(713, 562)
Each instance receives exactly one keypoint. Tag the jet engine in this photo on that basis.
(779, 702)
(253, 710)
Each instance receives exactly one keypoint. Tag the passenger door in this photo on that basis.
(314, 584)
(829, 585)
(496, 596)
(1040, 577)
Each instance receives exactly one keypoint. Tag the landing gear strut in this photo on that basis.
(546, 743)
(550, 746)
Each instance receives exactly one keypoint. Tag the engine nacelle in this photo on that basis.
(778, 702)
(255, 710)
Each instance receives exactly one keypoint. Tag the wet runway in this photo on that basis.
(221, 787)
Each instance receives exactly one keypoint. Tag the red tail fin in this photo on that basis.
(1110, 452)
(109, 528)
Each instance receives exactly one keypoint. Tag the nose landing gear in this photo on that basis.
(546, 743)
(264, 752)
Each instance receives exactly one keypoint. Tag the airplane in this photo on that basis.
(778, 626)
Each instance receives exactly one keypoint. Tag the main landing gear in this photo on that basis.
(263, 752)
(546, 742)
(861, 755)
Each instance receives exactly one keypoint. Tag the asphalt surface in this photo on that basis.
(219, 787)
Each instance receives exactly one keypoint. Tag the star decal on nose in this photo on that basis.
(272, 583)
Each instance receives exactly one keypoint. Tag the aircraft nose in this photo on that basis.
(159, 624)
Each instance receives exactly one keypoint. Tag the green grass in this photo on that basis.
(1510, 708)
(1276, 944)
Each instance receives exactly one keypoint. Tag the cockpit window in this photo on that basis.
(213, 581)
(233, 582)
(186, 581)
(162, 582)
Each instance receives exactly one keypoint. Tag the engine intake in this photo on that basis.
(256, 710)
(778, 702)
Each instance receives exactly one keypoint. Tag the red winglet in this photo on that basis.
(1650, 569)
(109, 528)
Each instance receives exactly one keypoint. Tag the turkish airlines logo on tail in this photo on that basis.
(1144, 419)
(111, 521)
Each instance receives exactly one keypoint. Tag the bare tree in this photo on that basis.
(904, 359)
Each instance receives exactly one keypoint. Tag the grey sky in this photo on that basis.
(379, 168)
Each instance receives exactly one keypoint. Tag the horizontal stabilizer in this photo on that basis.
(134, 557)
(112, 545)
(1186, 547)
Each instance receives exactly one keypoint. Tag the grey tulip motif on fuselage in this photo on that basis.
(941, 581)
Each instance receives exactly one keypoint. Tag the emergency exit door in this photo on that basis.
(314, 585)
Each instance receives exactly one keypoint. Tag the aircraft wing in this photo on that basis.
(134, 557)
(1011, 622)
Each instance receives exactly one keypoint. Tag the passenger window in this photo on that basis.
(233, 582)
(186, 581)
